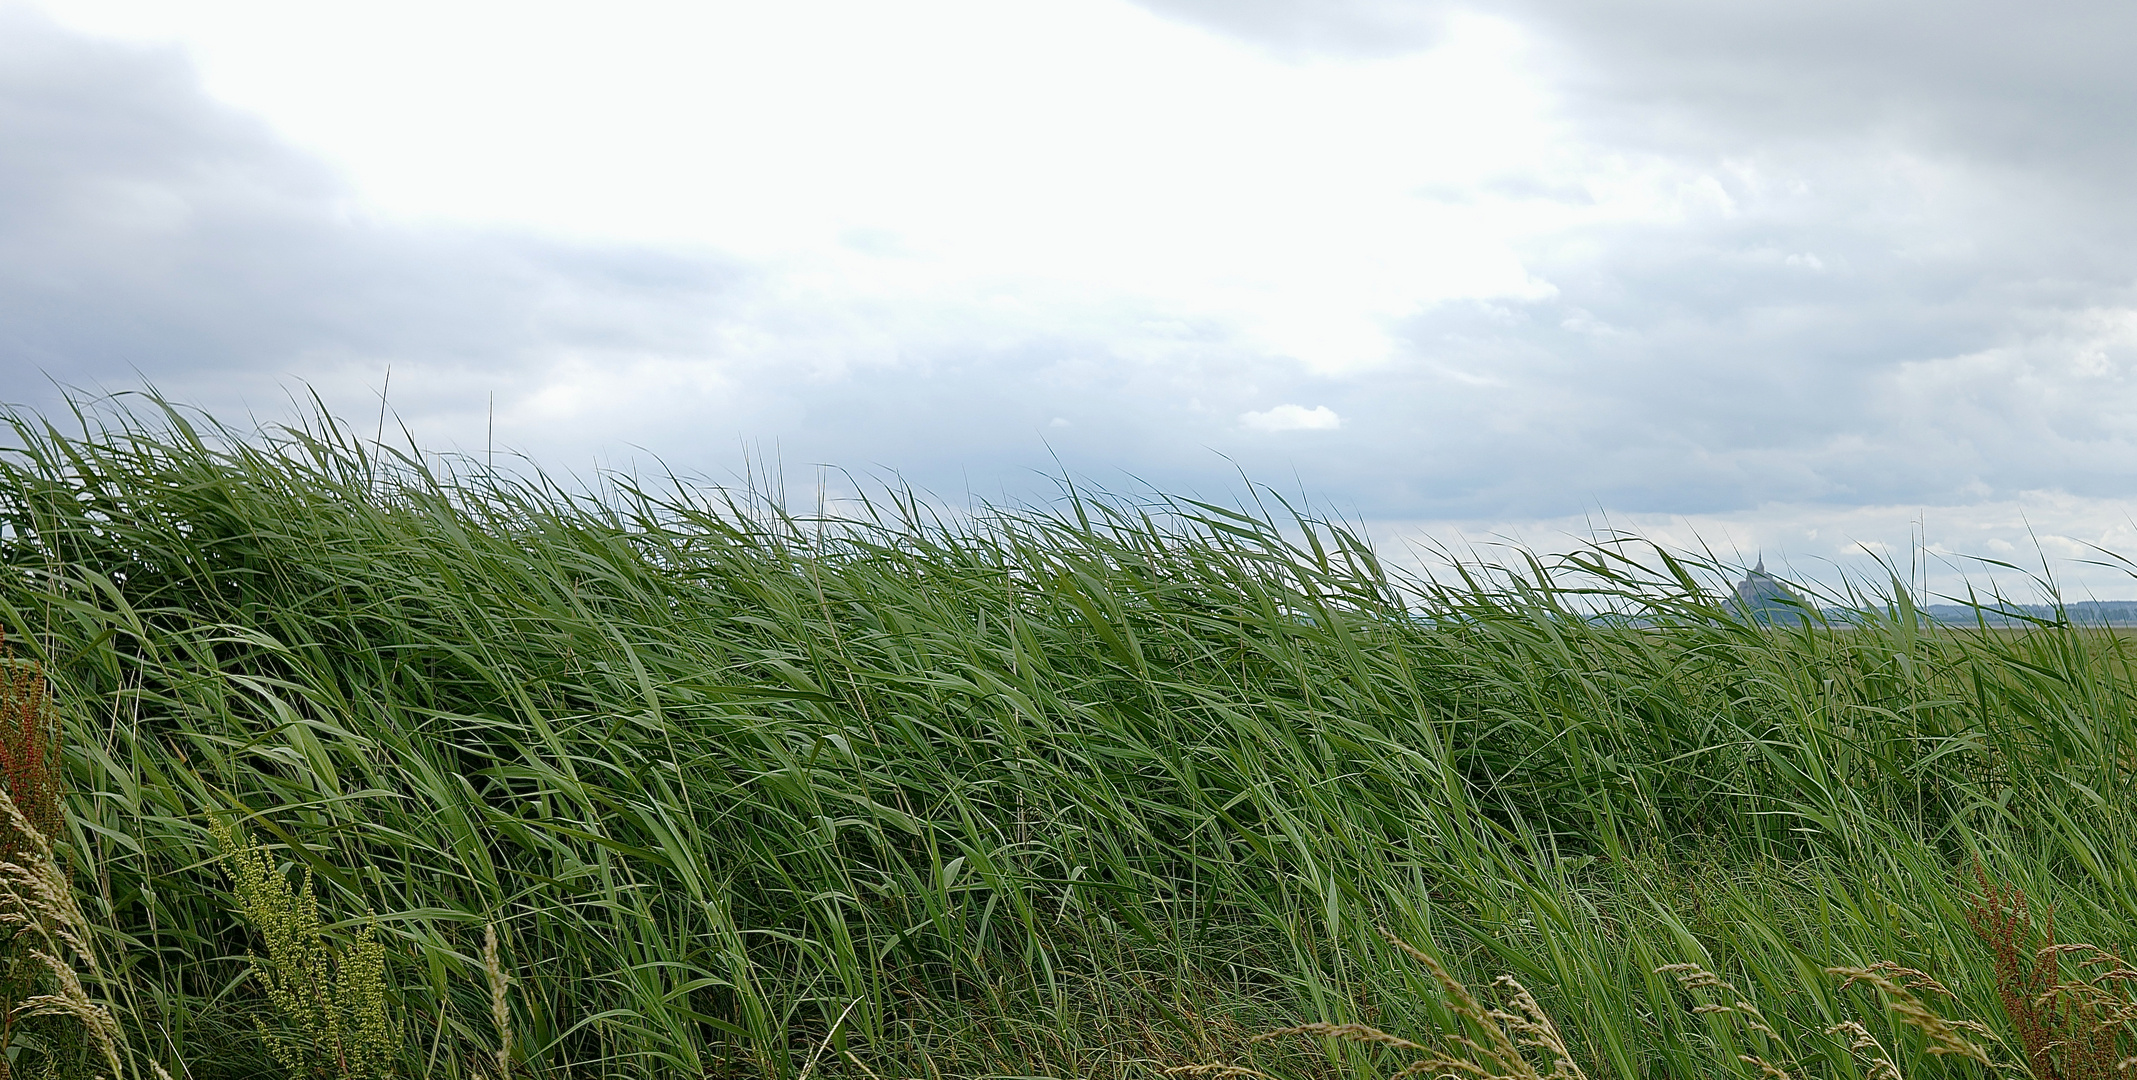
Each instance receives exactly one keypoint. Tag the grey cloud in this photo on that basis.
(2044, 85)
(147, 232)
(145, 228)
(1681, 375)
(1955, 170)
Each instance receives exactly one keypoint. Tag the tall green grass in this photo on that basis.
(1092, 788)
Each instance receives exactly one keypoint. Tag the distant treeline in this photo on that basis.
(2083, 613)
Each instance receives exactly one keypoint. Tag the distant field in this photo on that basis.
(1098, 789)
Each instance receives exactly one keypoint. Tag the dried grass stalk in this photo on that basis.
(1501, 1047)
(45, 923)
(500, 1006)
(1897, 984)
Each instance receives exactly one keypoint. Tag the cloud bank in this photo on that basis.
(1884, 260)
(1792, 272)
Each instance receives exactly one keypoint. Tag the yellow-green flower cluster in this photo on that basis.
(331, 1006)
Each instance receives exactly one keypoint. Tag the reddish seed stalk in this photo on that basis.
(2065, 1033)
(29, 733)
(29, 736)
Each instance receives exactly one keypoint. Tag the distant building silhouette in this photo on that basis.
(1762, 598)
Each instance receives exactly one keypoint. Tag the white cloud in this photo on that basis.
(1044, 151)
(1292, 418)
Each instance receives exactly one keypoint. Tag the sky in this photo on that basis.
(1821, 282)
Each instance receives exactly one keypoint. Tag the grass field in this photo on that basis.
(1092, 790)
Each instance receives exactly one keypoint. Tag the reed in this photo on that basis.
(1091, 788)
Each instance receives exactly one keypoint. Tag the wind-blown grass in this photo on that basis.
(1084, 790)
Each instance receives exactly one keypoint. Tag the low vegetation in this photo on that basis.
(666, 781)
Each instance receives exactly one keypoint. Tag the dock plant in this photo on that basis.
(331, 1016)
(47, 1018)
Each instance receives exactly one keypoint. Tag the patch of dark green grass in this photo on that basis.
(1095, 788)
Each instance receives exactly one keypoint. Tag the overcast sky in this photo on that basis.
(1803, 279)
